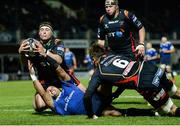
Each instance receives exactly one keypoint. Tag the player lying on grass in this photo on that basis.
(147, 79)
(70, 100)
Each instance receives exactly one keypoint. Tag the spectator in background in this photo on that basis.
(70, 60)
(88, 61)
(151, 54)
(166, 49)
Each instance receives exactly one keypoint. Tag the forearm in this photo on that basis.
(45, 95)
(142, 35)
(56, 57)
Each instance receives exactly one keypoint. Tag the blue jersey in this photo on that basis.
(70, 101)
(165, 58)
(151, 53)
(89, 62)
(68, 57)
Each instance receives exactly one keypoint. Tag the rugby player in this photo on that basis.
(48, 47)
(166, 50)
(70, 60)
(147, 79)
(116, 28)
(70, 100)
(151, 54)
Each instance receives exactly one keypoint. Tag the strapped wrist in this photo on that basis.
(141, 43)
(33, 77)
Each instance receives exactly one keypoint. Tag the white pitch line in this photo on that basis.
(17, 110)
(130, 96)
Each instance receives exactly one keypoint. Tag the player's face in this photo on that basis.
(45, 33)
(110, 9)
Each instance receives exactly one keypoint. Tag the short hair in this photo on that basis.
(111, 2)
(96, 51)
(46, 23)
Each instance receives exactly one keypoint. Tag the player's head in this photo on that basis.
(96, 51)
(45, 31)
(148, 45)
(164, 39)
(111, 7)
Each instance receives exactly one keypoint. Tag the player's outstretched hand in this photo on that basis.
(140, 50)
(24, 47)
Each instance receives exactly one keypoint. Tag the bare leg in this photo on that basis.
(38, 103)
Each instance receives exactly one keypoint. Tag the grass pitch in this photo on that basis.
(16, 109)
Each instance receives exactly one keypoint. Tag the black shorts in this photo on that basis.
(150, 77)
(153, 85)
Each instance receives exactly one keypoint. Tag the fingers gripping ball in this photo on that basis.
(32, 46)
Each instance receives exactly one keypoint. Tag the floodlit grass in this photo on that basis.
(16, 109)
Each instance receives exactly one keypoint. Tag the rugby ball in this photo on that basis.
(32, 45)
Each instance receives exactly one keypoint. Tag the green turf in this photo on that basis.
(16, 109)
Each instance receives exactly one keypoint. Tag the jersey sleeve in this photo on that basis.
(133, 19)
(59, 49)
(101, 30)
(93, 84)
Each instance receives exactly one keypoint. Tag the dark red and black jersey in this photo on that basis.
(46, 73)
(118, 32)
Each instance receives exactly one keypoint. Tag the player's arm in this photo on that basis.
(74, 62)
(38, 86)
(92, 87)
(101, 33)
(58, 56)
(24, 47)
(141, 30)
(172, 50)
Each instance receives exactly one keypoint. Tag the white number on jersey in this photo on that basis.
(120, 63)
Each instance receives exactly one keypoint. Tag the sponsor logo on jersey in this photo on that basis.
(67, 99)
(128, 68)
(156, 79)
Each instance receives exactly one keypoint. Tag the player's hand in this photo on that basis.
(32, 71)
(140, 49)
(40, 49)
(24, 47)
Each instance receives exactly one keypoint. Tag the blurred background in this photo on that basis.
(75, 22)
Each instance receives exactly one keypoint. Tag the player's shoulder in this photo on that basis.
(125, 12)
(58, 41)
(102, 18)
(169, 42)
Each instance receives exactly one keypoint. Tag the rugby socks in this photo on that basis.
(177, 113)
(138, 112)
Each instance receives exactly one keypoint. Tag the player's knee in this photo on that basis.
(163, 66)
(168, 68)
(38, 103)
(167, 108)
(173, 90)
(177, 112)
